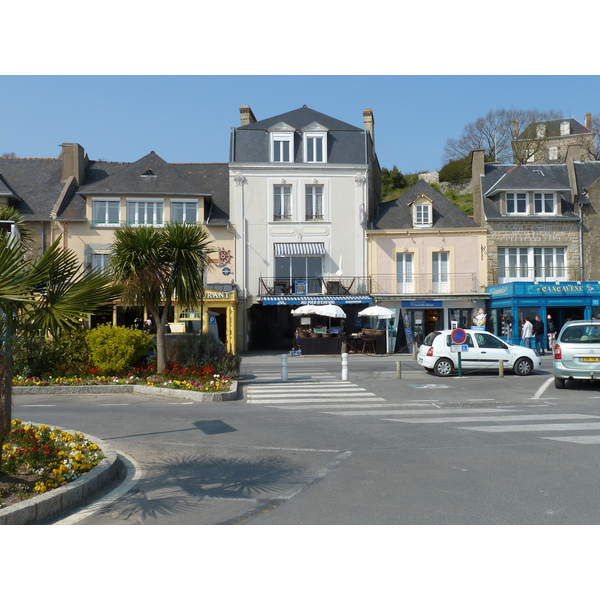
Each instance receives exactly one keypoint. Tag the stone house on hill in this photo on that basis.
(547, 142)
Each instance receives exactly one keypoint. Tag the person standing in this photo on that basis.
(538, 331)
(527, 332)
(551, 328)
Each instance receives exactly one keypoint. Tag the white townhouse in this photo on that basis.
(303, 189)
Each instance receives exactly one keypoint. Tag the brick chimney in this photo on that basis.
(74, 162)
(477, 171)
(246, 116)
(369, 122)
(588, 120)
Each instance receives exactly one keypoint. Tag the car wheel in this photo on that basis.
(559, 383)
(523, 366)
(443, 367)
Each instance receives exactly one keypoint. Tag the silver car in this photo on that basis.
(577, 352)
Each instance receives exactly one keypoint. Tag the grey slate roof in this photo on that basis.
(553, 128)
(345, 142)
(525, 177)
(153, 176)
(397, 214)
(586, 173)
(35, 181)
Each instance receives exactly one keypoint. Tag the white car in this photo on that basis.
(479, 350)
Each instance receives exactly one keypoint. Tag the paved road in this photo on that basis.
(376, 449)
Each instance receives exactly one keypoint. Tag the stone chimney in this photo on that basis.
(588, 120)
(574, 153)
(74, 162)
(477, 171)
(515, 132)
(246, 116)
(369, 122)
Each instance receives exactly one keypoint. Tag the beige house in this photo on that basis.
(85, 201)
(427, 261)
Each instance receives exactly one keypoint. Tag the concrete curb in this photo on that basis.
(130, 389)
(54, 502)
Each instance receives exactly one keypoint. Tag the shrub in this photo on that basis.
(115, 348)
(195, 349)
(35, 356)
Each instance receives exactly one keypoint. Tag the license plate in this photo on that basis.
(590, 359)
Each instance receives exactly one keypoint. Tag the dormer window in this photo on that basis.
(565, 128)
(282, 143)
(422, 213)
(282, 147)
(314, 143)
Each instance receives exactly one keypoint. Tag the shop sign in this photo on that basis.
(422, 304)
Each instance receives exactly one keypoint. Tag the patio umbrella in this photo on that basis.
(330, 310)
(305, 309)
(377, 311)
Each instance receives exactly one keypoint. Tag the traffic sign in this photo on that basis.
(459, 348)
(459, 336)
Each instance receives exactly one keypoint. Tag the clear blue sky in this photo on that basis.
(188, 118)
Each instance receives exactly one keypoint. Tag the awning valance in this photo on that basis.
(296, 300)
(299, 249)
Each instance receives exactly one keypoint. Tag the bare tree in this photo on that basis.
(494, 134)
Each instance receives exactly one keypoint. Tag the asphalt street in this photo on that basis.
(388, 445)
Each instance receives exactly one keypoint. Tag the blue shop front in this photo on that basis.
(510, 303)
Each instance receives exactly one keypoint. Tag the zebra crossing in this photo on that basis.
(306, 387)
(320, 391)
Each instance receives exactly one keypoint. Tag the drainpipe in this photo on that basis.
(580, 224)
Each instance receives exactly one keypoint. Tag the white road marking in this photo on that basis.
(468, 418)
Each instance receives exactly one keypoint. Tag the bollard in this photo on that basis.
(415, 350)
(501, 368)
(284, 367)
(344, 366)
(399, 370)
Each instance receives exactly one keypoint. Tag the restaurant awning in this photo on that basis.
(296, 300)
(300, 249)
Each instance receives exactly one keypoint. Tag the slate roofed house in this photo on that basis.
(304, 186)
(546, 142)
(85, 201)
(427, 262)
(542, 226)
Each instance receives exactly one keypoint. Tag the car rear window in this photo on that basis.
(430, 337)
(581, 334)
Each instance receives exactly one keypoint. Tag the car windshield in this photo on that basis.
(583, 334)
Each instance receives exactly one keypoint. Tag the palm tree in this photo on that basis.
(49, 295)
(157, 266)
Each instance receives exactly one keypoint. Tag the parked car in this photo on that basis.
(481, 350)
(577, 352)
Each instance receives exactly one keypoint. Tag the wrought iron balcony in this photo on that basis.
(427, 283)
(331, 286)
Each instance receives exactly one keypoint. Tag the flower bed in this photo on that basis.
(200, 379)
(38, 458)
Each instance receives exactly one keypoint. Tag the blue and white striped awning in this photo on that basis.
(300, 249)
(296, 300)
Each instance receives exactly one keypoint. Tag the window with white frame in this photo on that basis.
(314, 203)
(516, 203)
(100, 261)
(106, 211)
(553, 153)
(315, 147)
(184, 210)
(145, 211)
(527, 264)
(282, 202)
(404, 273)
(422, 215)
(544, 203)
(282, 147)
(439, 271)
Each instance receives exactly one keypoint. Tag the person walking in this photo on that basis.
(538, 331)
(527, 332)
(551, 328)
